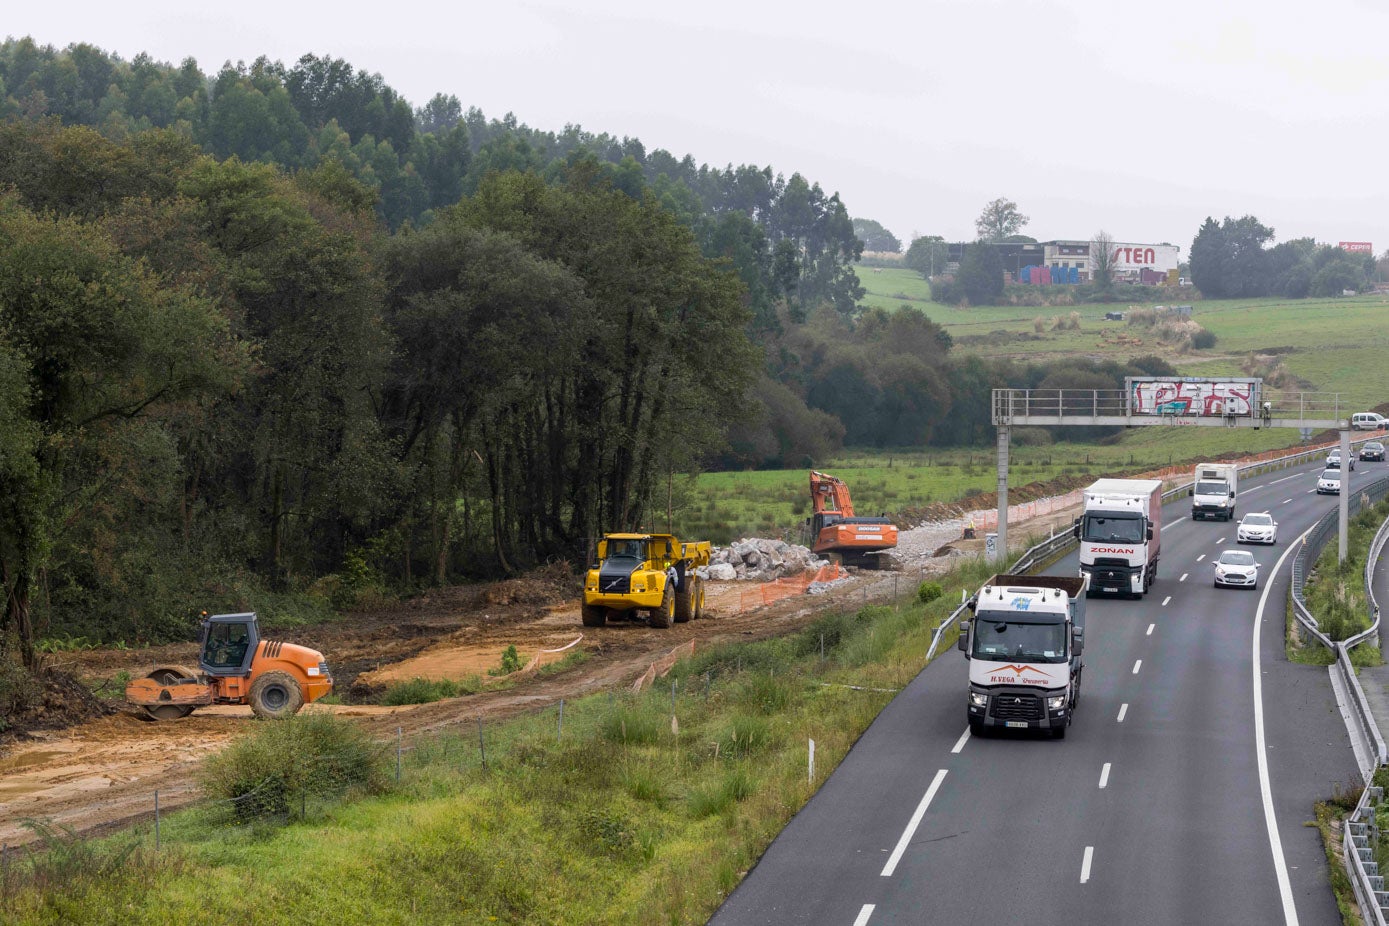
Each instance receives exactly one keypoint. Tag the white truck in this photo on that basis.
(1024, 646)
(1120, 534)
(1213, 491)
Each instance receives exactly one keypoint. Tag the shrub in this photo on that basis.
(261, 773)
(928, 592)
(511, 662)
(19, 690)
(1202, 339)
(427, 690)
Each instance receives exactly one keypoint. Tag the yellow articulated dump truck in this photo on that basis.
(654, 573)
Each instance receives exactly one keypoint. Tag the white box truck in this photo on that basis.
(1024, 647)
(1120, 534)
(1213, 491)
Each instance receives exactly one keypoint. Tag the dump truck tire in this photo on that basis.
(661, 617)
(594, 615)
(698, 598)
(276, 694)
(685, 601)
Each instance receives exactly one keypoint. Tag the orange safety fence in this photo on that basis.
(787, 586)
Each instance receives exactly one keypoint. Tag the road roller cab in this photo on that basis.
(235, 666)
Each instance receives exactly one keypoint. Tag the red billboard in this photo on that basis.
(1357, 247)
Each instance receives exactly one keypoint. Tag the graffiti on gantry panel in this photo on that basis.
(1158, 397)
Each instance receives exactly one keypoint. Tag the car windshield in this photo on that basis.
(1105, 528)
(1375, 447)
(1236, 558)
(1211, 488)
(998, 638)
(1257, 520)
(1333, 474)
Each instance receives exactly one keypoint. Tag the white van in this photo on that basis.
(1366, 421)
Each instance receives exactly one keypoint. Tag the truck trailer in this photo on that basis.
(1120, 534)
(1024, 647)
(1213, 490)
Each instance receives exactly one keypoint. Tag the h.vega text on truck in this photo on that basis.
(1024, 646)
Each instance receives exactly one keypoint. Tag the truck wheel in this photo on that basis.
(276, 694)
(661, 617)
(684, 602)
(699, 598)
(594, 615)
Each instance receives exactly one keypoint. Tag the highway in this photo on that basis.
(1155, 809)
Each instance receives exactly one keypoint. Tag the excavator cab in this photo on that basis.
(229, 644)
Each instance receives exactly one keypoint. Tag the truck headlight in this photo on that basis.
(978, 699)
(639, 587)
(1056, 703)
(1221, 503)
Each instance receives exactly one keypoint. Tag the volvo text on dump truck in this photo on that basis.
(1213, 491)
(1120, 535)
(1024, 646)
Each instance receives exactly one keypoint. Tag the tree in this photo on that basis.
(981, 274)
(999, 220)
(928, 255)
(875, 237)
(1102, 261)
(1228, 259)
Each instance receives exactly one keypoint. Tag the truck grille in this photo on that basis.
(1016, 707)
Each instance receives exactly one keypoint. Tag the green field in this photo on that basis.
(892, 287)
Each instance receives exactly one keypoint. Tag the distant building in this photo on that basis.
(1133, 263)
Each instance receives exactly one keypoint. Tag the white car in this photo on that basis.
(1236, 569)
(1329, 482)
(1257, 527)
(1333, 460)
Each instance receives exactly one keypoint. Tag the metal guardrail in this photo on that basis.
(1360, 832)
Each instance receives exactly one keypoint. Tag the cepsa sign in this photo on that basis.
(1357, 247)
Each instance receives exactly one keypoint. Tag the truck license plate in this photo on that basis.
(1108, 589)
(1017, 723)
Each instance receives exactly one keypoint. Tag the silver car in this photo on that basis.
(1257, 527)
(1329, 482)
(1237, 569)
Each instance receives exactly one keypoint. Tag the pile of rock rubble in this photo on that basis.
(761, 559)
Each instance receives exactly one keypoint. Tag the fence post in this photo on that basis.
(559, 734)
(156, 820)
(397, 753)
(481, 743)
(811, 776)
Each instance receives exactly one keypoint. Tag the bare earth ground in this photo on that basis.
(103, 774)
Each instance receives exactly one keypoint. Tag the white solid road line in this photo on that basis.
(1104, 775)
(1284, 479)
(960, 743)
(1280, 864)
(864, 914)
(1137, 665)
(1123, 709)
(915, 821)
(1170, 523)
(1085, 864)
(1183, 578)
(1151, 626)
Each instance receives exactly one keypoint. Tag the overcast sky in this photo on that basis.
(1132, 116)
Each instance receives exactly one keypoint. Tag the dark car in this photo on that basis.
(1374, 450)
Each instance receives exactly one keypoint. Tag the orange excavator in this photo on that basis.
(834, 529)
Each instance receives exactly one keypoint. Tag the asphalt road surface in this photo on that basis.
(1181, 793)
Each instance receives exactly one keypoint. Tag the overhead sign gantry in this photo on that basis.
(1167, 401)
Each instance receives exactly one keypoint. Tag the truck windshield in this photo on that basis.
(1113, 529)
(1211, 488)
(998, 638)
(626, 549)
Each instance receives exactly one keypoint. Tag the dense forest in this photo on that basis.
(272, 332)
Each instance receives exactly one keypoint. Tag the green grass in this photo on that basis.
(648, 810)
(892, 287)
